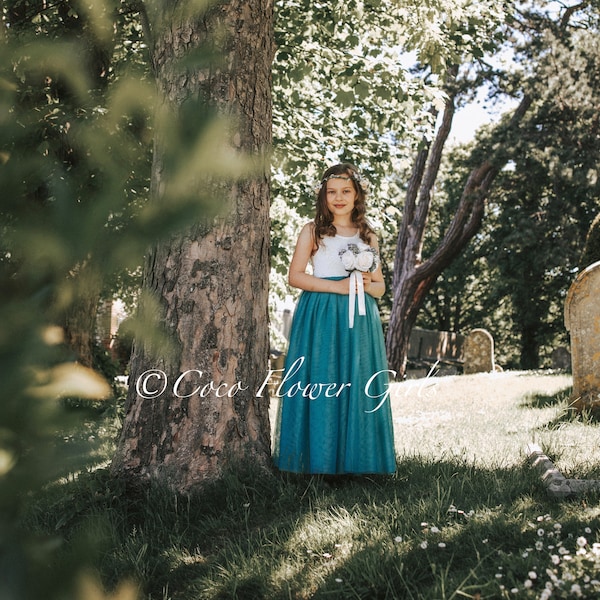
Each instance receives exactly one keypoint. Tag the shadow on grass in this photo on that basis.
(432, 528)
(566, 414)
(547, 400)
(570, 415)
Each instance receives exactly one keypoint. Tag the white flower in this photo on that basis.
(434, 529)
(424, 545)
(540, 532)
(441, 545)
(555, 559)
(364, 261)
(532, 575)
(576, 589)
(527, 583)
(398, 539)
(348, 260)
(581, 541)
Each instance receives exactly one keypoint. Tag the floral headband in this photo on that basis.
(356, 177)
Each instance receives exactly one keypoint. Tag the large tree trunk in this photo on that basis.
(211, 281)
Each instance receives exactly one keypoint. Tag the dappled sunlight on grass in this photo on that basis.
(461, 517)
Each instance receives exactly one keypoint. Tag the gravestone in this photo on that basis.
(430, 346)
(478, 352)
(582, 320)
(560, 358)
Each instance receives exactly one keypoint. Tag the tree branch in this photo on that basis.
(433, 166)
(570, 11)
(138, 6)
(471, 207)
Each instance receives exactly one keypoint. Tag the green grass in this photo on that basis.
(463, 517)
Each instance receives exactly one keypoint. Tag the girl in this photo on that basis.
(335, 415)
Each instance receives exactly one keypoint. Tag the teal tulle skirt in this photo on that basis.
(334, 412)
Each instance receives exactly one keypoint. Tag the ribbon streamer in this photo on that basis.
(356, 289)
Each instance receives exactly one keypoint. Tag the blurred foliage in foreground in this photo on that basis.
(77, 119)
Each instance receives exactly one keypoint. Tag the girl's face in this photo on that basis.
(341, 196)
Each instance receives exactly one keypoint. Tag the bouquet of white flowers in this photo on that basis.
(359, 257)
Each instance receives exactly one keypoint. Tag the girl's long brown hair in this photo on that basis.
(324, 219)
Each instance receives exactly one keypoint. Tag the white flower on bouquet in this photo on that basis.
(359, 257)
(348, 260)
(365, 260)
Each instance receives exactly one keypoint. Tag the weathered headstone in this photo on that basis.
(478, 352)
(560, 358)
(582, 320)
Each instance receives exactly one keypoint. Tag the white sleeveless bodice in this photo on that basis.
(326, 260)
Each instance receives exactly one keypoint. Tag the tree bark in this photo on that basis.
(80, 317)
(210, 282)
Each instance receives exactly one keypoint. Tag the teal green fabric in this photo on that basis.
(334, 414)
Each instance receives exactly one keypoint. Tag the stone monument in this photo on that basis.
(560, 358)
(478, 352)
(582, 320)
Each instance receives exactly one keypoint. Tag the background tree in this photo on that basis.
(414, 275)
(105, 35)
(457, 299)
(539, 207)
(210, 282)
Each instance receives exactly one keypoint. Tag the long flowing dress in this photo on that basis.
(334, 414)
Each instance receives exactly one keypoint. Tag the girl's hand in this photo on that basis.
(342, 286)
(373, 286)
(367, 280)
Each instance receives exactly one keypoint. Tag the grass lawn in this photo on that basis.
(488, 419)
(463, 517)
